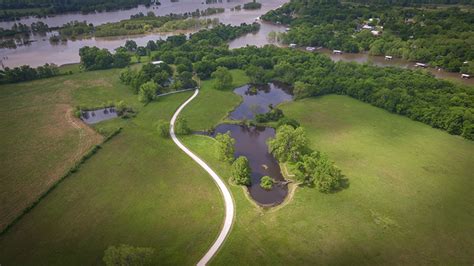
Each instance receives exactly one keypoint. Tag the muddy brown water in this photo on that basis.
(251, 142)
(41, 51)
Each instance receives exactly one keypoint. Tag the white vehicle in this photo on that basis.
(310, 49)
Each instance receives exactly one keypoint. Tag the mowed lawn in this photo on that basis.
(410, 197)
(139, 189)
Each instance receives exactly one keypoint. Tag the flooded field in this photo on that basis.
(96, 116)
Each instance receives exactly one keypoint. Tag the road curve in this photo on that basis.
(229, 203)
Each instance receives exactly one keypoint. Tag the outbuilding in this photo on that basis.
(157, 62)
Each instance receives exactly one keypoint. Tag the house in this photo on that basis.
(375, 32)
(337, 52)
(367, 27)
(388, 57)
(292, 45)
(421, 65)
(465, 76)
(157, 62)
(310, 49)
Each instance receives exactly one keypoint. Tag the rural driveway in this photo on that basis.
(229, 203)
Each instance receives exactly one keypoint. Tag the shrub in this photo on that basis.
(241, 171)
(266, 182)
(181, 127)
(163, 128)
(225, 147)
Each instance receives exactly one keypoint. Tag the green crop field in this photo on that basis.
(409, 198)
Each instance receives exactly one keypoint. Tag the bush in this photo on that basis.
(289, 122)
(181, 127)
(127, 255)
(225, 147)
(147, 92)
(274, 114)
(163, 128)
(266, 182)
(241, 171)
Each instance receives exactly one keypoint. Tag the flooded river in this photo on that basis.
(41, 51)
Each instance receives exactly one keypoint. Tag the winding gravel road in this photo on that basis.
(229, 203)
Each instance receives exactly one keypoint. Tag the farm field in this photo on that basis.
(125, 194)
(409, 197)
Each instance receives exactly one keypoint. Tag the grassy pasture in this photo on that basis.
(410, 197)
(127, 193)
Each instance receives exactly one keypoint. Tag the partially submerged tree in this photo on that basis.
(266, 182)
(241, 171)
(125, 255)
(225, 147)
(289, 143)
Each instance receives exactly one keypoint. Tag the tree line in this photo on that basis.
(415, 94)
(14, 9)
(27, 73)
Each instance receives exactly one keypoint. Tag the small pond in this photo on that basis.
(96, 116)
(256, 99)
(251, 142)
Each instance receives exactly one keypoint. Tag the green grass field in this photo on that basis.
(139, 189)
(409, 199)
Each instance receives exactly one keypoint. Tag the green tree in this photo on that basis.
(256, 74)
(131, 45)
(266, 182)
(316, 169)
(289, 143)
(181, 126)
(125, 255)
(147, 92)
(163, 128)
(225, 147)
(223, 78)
(241, 171)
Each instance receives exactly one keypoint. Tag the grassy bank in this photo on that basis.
(409, 199)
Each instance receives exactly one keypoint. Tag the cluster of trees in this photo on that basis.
(26, 73)
(441, 37)
(14, 9)
(275, 114)
(415, 94)
(241, 172)
(93, 58)
(312, 168)
(20, 28)
(252, 5)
